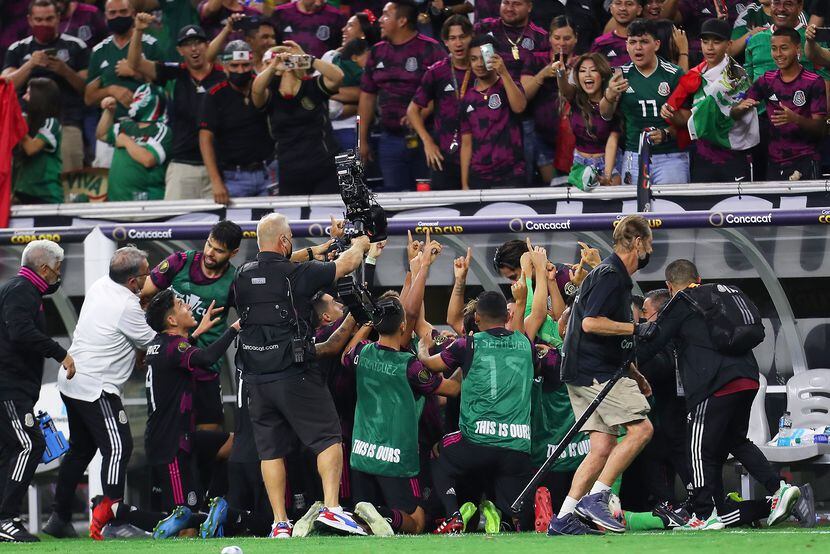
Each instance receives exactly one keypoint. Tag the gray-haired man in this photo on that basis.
(110, 328)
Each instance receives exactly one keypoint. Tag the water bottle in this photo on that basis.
(785, 429)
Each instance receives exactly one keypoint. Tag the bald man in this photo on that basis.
(288, 397)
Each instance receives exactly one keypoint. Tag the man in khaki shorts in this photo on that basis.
(599, 340)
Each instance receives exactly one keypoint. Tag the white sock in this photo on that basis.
(114, 509)
(336, 509)
(599, 487)
(568, 507)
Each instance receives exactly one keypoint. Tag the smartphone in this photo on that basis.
(558, 57)
(298, 61)
(239, 24)
(487, 53)
(823, 34)
(51, 52)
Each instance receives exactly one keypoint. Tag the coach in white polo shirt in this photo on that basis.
(110, 329)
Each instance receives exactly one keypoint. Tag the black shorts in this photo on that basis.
(736, 169)
(300, 407)
(207, 402)
(807, 167)
(396, 493)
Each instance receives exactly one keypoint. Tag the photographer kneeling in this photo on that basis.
(288, 395)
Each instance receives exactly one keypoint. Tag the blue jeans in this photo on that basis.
(399, 165)
(246, 184)
(529, 146)
(599, 163)
(666, 169)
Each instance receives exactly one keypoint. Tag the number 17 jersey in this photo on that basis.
(641, 102)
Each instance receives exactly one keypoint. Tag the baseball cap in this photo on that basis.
(237, 50)
(719, 28)
(191, 31)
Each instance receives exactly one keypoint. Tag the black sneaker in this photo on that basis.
(12, 530)
(669, 516)
(58, 528)
(805, 509)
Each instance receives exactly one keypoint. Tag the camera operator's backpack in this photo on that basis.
(733, 319)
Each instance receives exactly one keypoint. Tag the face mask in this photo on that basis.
(643, 261)
(44, 33)
(239, 80)
(53, 287)
(120, 25)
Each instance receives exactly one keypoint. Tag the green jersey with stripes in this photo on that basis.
(641, 102)
(39, 176)
(128, 179)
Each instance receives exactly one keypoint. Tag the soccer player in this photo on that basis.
(491, 133)
(514, 37)
(443, 86)
(202, 278)
(796, 104)
(613, 45)
(639, 89)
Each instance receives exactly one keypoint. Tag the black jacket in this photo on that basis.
(23, 340)
(703, 370)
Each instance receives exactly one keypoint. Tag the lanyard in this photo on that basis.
(459, 93)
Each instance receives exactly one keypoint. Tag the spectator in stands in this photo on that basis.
(491, 146)
(756, 17)
(580, 12)
(142, 144)
(652, 9)
(175, 14)
(441, 10)
(514, 36)
(81, 20)
(612, 44)
(541, 87)
(441, 90)
(233, 134)
(691, 14)
(299, 121)
(37, 172)
(313, 24)
(359, 34)
(640, 89)
(213, 15)
(186, 176)
(674, 44)
(62, 58)
(109, 72)
(15, 26)
(390, 79)
(597, 140)
(486, 9)
(260, 36)
(796, 105)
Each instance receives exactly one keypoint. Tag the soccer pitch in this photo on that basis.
(700, 542)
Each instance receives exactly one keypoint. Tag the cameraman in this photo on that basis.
(288, 396)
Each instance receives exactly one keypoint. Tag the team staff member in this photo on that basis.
(390, 79)
(290, 398)
(203, 278)
(719, 391)
(443, 86)
(313, 24)
(110, 328)
(233, 135)
(24, 346)
(598, 342)
(186, 176)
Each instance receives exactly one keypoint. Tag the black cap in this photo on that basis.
(718, 28)
(191, 31)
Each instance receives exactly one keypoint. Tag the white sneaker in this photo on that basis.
(714, 523)
(339, 520)
(281, 530)
(783, 502)
(377, 523)
(304, 524)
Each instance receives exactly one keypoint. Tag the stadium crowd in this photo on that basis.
(389, 424)
(220, 99)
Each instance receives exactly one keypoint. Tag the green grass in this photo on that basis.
(712, 542)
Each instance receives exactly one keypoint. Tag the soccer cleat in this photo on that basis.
(467, 510)
(281, 530)
(783, 502)
(338, 520)
(101, 515)
(216, 517)
(377, 523)
(492, 517)
(570, 524)
(170, 526)
(304, 525)
(594, 507)
(805, 509)
(453, 525)
(58, 528)
(117, 530)
(714, 523)
(543, 509)
(670, 518)
(12, 530)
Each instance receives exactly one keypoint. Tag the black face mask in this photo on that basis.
(642, 262)
(120, 25)
(52, 288)
(240, 80)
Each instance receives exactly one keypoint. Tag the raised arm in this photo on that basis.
(135, 58)
(351, 258)
(455, 309)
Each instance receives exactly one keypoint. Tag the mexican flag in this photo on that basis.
(714, 92)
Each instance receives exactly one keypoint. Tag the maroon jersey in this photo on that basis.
(613, 48)
(591, 135)
(487, 9)
(316, 33)
(439, 86)
(214, 23)
(86, 23)
(394, 71)
(511, 41)
(545, 105)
